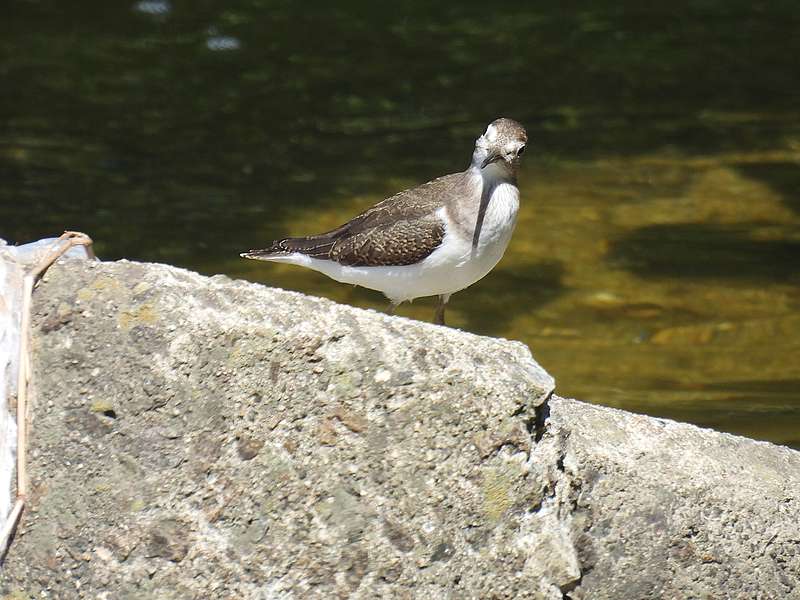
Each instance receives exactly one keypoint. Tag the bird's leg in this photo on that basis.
(439, 316)
(392, 307)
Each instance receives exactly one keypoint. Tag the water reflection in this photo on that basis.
(782, 176)
(654, 266)
(158, 8)
(217, 42)
(757, 252)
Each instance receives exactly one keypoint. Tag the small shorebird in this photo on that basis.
(432, 240)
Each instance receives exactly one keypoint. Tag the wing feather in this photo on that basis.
(400, 230)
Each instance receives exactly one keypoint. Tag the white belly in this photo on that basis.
(453, 266)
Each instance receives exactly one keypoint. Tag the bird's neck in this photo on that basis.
(492, 175)
(464, 210)
(495, 173)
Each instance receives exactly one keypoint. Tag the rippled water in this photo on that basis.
(656, 263)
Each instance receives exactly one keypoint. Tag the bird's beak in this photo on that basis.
(493, 157)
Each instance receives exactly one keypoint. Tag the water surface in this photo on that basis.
(656, 264)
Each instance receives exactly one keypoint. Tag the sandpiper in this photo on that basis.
(432, 240)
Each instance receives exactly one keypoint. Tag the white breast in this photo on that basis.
(500, 218)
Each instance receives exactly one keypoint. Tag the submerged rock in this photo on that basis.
(202, 437)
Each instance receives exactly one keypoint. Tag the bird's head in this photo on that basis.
(501, 146)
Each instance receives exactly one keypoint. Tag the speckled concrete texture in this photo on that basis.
(200, 437)
(667, 510)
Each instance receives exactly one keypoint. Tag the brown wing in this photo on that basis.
(399, 243)
(400, 230)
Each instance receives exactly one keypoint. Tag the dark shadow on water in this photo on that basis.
(743, 421)
(789, 388)
(769, 407)
(701, 250)
(783, 177)
(766, 409)
(506, 294)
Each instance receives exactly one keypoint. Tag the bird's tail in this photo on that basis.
(264, 254)
(318, 246)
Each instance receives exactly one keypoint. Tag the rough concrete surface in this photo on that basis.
(200, 437)
(667, 510)
(15, 261)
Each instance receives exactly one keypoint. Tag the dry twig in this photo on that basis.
(59, 247)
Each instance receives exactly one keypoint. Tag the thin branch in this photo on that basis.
(67, 240)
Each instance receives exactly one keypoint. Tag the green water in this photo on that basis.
(656, 263)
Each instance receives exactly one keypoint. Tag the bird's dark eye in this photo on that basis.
(521, 150)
